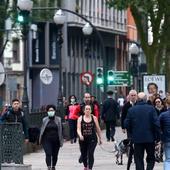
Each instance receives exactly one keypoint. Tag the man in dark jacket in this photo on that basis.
(110, 113)
(142, 123)
(132, 101)
(16, 115)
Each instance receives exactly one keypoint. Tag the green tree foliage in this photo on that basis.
(158, 12)
(3, 9)
(44, 15)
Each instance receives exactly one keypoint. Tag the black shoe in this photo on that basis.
(108, 140)
(80, 159)
(112, 138)
(75, 140)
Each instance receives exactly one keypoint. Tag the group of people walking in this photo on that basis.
(83, 123)
(146, 120)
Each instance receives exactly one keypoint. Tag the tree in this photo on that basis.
(158, 13)
(44, 15)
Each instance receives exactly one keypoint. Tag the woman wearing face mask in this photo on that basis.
(72, 113)
(51, 136)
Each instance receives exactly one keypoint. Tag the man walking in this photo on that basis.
(141, 122)
(16, 115)
(110, 113)
(87, 101)
(132, 101)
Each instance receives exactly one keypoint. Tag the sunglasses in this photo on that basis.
(157, 101)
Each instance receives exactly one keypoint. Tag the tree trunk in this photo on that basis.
(167, 69)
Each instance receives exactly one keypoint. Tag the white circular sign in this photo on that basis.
(46, 76)
(2, 74)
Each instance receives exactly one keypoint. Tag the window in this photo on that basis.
(15, 49)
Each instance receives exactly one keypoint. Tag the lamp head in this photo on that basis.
(134, 49)
(59, 17)
(25, 5)
(87, 29)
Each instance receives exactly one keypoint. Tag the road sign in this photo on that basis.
(86, 78)
(121, 78)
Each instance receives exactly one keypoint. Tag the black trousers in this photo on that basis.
(110, 129)
(139, 149)
(73, 128)
(130, 155)
(51, 149)
(87, 148)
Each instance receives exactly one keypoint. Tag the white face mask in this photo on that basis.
(51, 113)
(72, 100)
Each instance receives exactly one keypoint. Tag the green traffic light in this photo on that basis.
(20, 18)
(99, 81)
(109, 78)
(99, 76)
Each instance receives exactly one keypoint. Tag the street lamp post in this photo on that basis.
(59, 19)
(25, 7)
(134, 51)
(87, 31)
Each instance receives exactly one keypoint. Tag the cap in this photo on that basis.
(110, 92)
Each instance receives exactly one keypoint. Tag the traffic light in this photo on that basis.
(99, 76)
(110, 77)
(23, 17)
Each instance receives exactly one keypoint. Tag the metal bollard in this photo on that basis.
(11, 140)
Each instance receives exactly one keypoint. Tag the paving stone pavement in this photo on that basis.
(69, 154)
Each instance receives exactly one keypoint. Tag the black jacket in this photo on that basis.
(110, 110)
(142, 123)
(125, 109)
(16, 117)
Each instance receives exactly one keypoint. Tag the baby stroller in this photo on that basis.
(121, 148)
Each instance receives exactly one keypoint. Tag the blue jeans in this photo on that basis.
(167, 156)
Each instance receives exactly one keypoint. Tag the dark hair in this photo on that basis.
(154, 84)
(50, 106)
(15, 100)
(110, 92)
(157, 99)
(69, 99)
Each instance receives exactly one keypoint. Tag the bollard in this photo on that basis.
(11, 143)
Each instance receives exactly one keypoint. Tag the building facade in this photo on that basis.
(110, 33)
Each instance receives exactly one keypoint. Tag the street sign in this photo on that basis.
(86, 78)
(121, 78)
